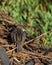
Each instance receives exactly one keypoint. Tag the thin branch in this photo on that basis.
(37, 38)
(17, 60)
(11, 50)
(7, 46)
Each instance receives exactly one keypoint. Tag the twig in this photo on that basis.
(37, 38)
(35, 54)
(17, 60)
(7, 46)
(11, 50)
(8, 21)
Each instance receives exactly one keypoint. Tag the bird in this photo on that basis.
(18, 36)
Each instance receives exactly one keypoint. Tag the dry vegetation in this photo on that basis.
(32, 54)
(36, 18)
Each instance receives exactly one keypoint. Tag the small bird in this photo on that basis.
(19, 36)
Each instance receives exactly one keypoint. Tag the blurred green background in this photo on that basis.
(35, 15)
